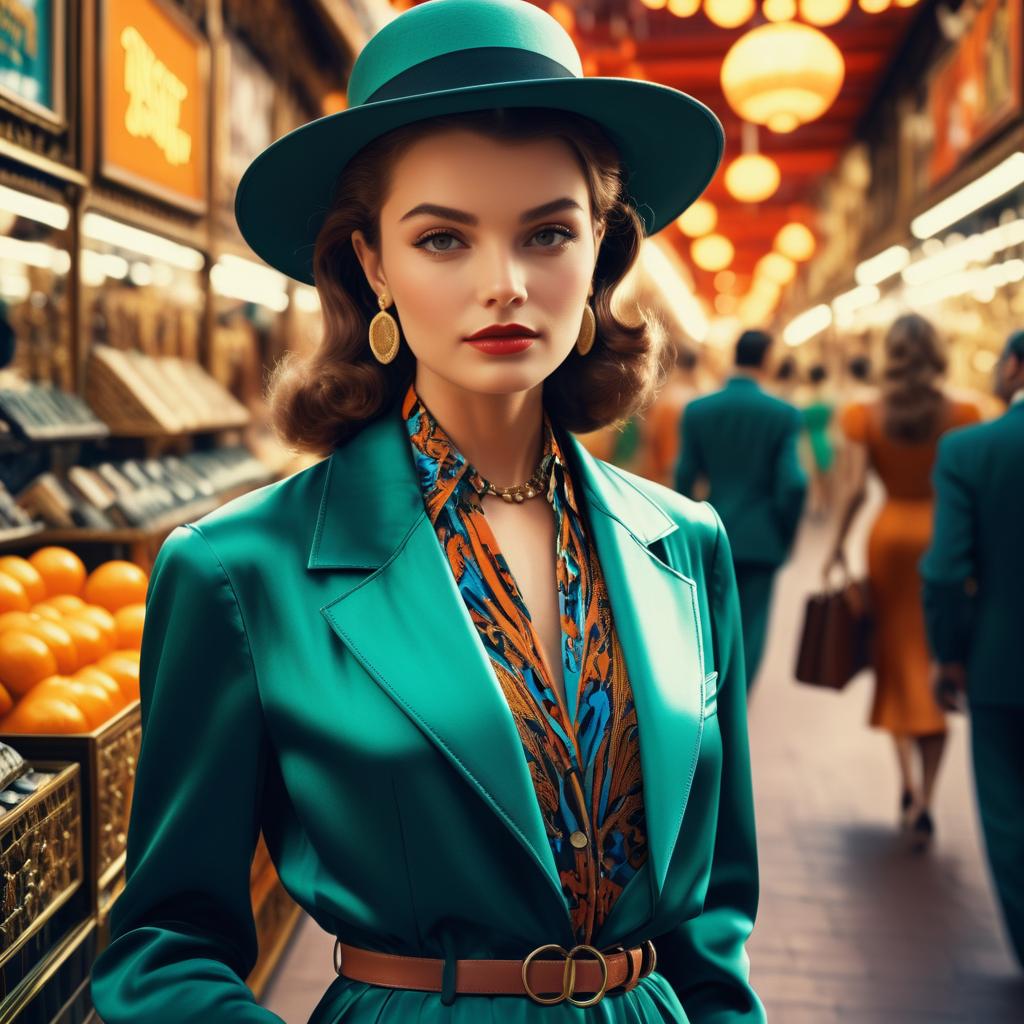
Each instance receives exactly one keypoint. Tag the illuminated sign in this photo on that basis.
(27, 34)
(155, 96)
(153, 129)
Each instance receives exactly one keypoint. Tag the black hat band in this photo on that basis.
(482, 65)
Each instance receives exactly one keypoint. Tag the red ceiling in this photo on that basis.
(687, 53)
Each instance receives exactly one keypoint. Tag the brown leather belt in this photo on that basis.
(537, 978)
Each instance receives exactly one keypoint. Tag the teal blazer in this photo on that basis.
(308, 668)
(978, 536)
(744, 443)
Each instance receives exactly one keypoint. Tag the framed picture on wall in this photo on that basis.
(154, 99)
(32, 59)
(975, 90)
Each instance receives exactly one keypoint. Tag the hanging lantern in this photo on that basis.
(824, 12)
(796, 241)
(729, 13)
(765, 292)
(683, 8)
(725, 281)
(782, 75)
(776, 268)
(712, 252)
(779, 10)
(752, 178)
(699, 219)
(874, 6)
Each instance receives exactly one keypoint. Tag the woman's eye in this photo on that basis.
(552, 238)
(444, 241)
(444, 238)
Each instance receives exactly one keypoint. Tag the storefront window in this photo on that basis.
(34, 273)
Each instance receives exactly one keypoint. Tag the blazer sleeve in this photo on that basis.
(949, 561)
(705, 958)
(183, 937)
(790, 481)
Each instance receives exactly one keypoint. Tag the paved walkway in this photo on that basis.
(852, 928)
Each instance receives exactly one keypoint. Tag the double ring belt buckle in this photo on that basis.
(568, 975)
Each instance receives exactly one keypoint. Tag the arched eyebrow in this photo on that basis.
(462, 217)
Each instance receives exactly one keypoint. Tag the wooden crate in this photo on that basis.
(42, 865)
(107, 757)
(57, 990)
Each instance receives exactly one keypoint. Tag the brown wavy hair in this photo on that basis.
(912, 399)
(320, 400)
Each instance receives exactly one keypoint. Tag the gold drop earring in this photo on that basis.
(588, 329)
(384, 334)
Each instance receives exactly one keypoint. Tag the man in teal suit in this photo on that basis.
(973, 595)
(744, 443)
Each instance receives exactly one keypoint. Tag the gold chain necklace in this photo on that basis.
(520, 492)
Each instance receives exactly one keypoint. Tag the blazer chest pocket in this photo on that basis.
(710, 695)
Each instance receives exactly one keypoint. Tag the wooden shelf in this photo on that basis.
(20, 534)
(139, 534)
(157, 431)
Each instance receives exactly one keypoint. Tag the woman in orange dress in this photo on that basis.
(896, 436)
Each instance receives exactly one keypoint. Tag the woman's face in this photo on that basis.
(477, 232)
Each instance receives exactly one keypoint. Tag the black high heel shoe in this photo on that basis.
(922, 832)
(906, 809)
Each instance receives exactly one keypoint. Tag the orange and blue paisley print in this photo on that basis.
(585, 759)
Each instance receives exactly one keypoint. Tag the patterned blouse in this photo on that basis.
(585, 759)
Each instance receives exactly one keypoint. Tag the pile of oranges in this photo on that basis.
(69, 641)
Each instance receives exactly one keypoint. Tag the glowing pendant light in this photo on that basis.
(653, 5)
(874, 6)
(776, 268)
(796, 241)
(729, 13)
(712, 252)
(782, 75)
(683, 8)
(699, 219)
(779, 10)
(752, 178)
(824, 12)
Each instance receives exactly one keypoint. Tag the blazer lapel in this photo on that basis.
(403, 618)
(399, 611)
(657, 620)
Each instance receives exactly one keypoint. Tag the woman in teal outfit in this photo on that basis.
(817, 412)
(515, 786)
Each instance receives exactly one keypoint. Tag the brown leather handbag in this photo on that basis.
(835, 643)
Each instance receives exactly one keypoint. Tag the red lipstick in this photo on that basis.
(502, 339)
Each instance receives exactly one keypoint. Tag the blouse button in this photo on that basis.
(579, 840)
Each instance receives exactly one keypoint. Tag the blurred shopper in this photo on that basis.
(896, 435)
(859, 372)
(743, 442)
(856, 386)
(817, 411)
(977, 550)
(784, 382)
(660, 431)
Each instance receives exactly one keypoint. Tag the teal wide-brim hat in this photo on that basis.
(453, 56)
